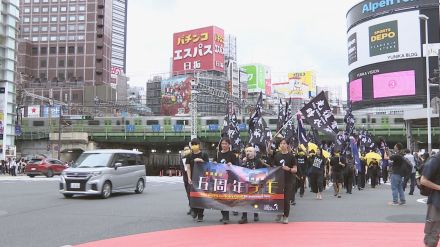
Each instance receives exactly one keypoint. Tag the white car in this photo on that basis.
(104, 171)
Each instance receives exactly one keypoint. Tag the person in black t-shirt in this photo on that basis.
(337, 164)
(287, 161)
(317, 166)
(184, 155)
(226, 156)
(251, 161)
(197, 157)
(431, 179)
(301, 161)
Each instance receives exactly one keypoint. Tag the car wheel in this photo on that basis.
(49, 173)
(106, 190)
(68, 196)
(140, 186)
(31, 176)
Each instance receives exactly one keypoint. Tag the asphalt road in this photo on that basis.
(34, 213)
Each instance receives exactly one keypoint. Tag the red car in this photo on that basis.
(45, 166)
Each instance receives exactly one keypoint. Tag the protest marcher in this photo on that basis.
(225, 156)
(251, 161)
(287, 161)
(412, 177)
(337, 164)
(301, 161)
(373, 168)
(431, 179)
(195, 158)
(13, 167)
(349, 173)
(317, 166)
(184, 155)
(397, 175)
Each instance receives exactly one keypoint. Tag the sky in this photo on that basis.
(287, 36)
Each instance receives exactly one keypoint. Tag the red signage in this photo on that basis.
(198, 49)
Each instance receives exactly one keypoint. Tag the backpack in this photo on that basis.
(406, 167)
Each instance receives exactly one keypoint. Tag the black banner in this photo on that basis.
(319, 115)
(235, 188)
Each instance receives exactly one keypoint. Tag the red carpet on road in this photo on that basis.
(310, 234)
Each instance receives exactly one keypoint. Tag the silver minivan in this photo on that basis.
(104, 171)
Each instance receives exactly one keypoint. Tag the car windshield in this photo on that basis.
(93, 160)
(34, 161)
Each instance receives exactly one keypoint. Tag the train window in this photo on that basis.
(373, 120)
(38, 123)
(273, 121)
(127, 122)
(182, 122)
(364, 120)
(107, 122)
(93, 122)
(118, 122)
(211, 121)
(137, 122)
(399, 120)
(167, 121)
(152, 122)
(385, 120)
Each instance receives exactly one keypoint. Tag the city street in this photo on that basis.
(34, 213)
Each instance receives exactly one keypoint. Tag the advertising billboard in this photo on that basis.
(268, 81)
(175, 95)
(256, 77)
(400, 83)
(387, 38)
(199, 49)
(306, 77)
(292, 89)
(355, 90)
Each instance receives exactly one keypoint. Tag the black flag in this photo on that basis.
(349, 120)
(319, 115)
(302, 137)
(289, 130)
(257, 127)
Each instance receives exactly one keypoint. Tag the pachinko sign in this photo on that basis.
(235, 188)
(199, 49)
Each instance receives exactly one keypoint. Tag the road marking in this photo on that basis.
(422, 200)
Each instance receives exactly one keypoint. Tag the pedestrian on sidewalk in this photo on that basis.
(397, 175)
(431, 179)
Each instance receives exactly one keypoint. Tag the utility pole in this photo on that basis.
(194, 93)
(59, 131)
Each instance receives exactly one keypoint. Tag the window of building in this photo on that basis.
(80, 37)
(82, 8)
(44, 28)
(44, 38)
(36, 10)
(52, 50)
(45, 9)
(43, 75)
(53, 19)
(27, 1)
(62, 28)
(62, 50)
(35, 29)
(63, 9)
(34, 50)
(43, 63)
(81, 27)
(54, 9)
(70, 74)
(27, 10)
(61, 75)
(80, 49)
(45, 1)
(81, 18)
(71, 49)
(43, 50)
(62, 38)
(72, 8)
(72, 18)
(63, 18)
(53, 38)
(34, 38)
(35, 19)
(53, 28)
(26, 30)
(71, 27)
(44, 19)
(26, 19)
(71, 38)
(54, 1)
(36, 1)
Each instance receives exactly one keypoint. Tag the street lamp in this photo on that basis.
(428, 94)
